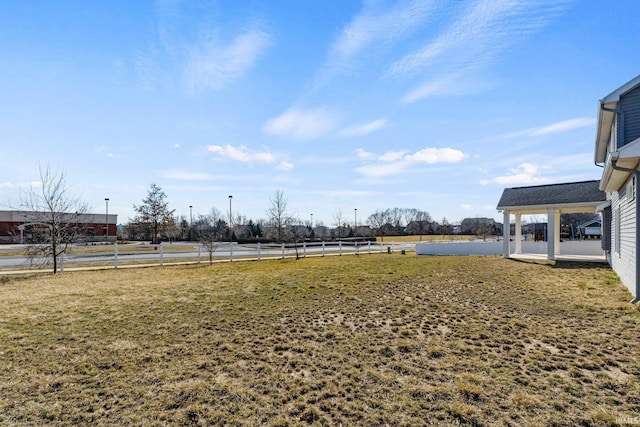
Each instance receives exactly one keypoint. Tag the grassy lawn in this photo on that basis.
(372, 340)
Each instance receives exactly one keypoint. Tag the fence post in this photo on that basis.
(115, 255)
(340, 245)
(369, 245)
(258, 251)
(161, 253)
(304, 247)
(199, 254)
(323, 248)
(283, 251)
(230, 251)
(61, 261)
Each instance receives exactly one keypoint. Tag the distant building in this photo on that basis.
(22, 226)
(591, 229)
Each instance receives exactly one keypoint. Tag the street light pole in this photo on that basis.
(230, 219)
(190, 222)
(106, 220)
(355, 222)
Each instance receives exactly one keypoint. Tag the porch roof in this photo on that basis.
(572, 197)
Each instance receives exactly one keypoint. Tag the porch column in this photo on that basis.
(518, 234)
(551, 234)
(506, 233)
(556, 232)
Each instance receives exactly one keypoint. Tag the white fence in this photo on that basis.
(143, 255)
(576, 247)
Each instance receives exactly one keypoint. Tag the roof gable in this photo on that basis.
(553, 194)
(606, 116)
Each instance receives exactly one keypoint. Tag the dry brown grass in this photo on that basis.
(371, 340)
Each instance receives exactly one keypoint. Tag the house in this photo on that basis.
(617, 151)
(551, 200)
(478, 226)
(590, 229)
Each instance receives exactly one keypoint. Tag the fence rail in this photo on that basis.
(145, 255)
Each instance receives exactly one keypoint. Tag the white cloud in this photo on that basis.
(284, 165)
(213, 65)
(241, 154)
(301, 124)
(384, 169)
(437, 155)
(466, 207)
(364, 128)
(364, 154)
(392, 163)
(176, 145)
(391, 156)
(525, 173)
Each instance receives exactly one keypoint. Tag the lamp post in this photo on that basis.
(106, 220)
(355, 222)
(190, 222)
(230, 232)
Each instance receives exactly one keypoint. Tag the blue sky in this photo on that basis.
(342, 105)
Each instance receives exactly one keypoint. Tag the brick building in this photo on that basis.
(22, 226)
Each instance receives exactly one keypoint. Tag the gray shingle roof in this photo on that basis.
(553, 194)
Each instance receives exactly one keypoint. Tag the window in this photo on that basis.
(631, 190)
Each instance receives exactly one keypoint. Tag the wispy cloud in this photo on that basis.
(448, 85)
(241, 154)
(558, 127)
(193, 51)
(302, 125)
(396, 162)
(474, 40)
(212, 64)
(364, 128)
(375, 24)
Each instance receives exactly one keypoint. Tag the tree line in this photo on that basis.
(55, 213)
(155, 221)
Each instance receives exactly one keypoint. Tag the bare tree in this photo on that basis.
(54, 214)
(209, 239)
(445, 227)
(381, 222)
(339, 222)
(278, 216)
(211, 224)
(418, 222)
(154, 212)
